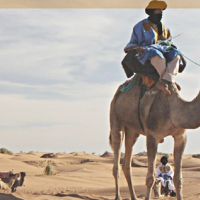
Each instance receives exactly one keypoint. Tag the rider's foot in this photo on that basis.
(163, 86)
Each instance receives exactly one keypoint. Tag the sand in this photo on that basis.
(79, 176)
(94, 4)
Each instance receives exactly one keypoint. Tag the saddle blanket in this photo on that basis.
(4, 174)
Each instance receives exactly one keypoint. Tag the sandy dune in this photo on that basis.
(85, 176)
(93, 4)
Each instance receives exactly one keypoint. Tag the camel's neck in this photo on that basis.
(11, 181)
(21, 181)
(186, 114)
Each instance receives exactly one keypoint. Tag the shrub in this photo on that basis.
(48, 168)
(5, 151)
(196, 156)
(142, 154)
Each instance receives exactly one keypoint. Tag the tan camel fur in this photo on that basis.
(160, 116)
(157, 188)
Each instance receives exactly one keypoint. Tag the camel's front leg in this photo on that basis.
(179, 146)
(130, 139)
(152, 145)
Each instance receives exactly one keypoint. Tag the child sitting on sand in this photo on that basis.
(165, 173)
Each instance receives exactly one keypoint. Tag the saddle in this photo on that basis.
(4, 174)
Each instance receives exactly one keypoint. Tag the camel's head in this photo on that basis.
(23, 174)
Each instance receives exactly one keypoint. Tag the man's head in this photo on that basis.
(154, 10)
(155, 5)
(164, 160)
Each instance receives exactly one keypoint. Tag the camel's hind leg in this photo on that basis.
(116, 138)
(130, 139)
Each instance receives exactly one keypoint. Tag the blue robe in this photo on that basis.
(145, 34)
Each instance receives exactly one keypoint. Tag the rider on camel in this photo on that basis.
(145, 37)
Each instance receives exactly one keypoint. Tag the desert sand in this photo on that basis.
(93, 4)
(79, 176)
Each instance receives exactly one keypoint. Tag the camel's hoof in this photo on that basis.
(118, 198)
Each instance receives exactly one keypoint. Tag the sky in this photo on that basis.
(61, 67)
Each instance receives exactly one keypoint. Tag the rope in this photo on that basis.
(169, 44)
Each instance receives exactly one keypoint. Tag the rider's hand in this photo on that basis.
(141, 50)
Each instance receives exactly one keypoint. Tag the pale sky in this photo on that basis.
(61, 67)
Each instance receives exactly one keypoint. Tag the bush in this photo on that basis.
(196, 156)
(5, 151)
(48, 169)
(142, 154)
(163, 154)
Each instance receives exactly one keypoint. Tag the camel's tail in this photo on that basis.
(113, 117)
(120, 137)
(112, 114)
(110, 142)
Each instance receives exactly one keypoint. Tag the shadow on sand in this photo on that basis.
(8, 197)
(74, 195)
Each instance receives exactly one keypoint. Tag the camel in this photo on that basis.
(151, 113)
(9, 180)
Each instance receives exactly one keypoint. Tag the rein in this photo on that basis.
(170, 46)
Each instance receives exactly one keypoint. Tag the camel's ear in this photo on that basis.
(23, 174)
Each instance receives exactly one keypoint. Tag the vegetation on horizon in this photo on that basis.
(144, 153)
(5, 151)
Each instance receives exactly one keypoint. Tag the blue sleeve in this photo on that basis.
(136, 36)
